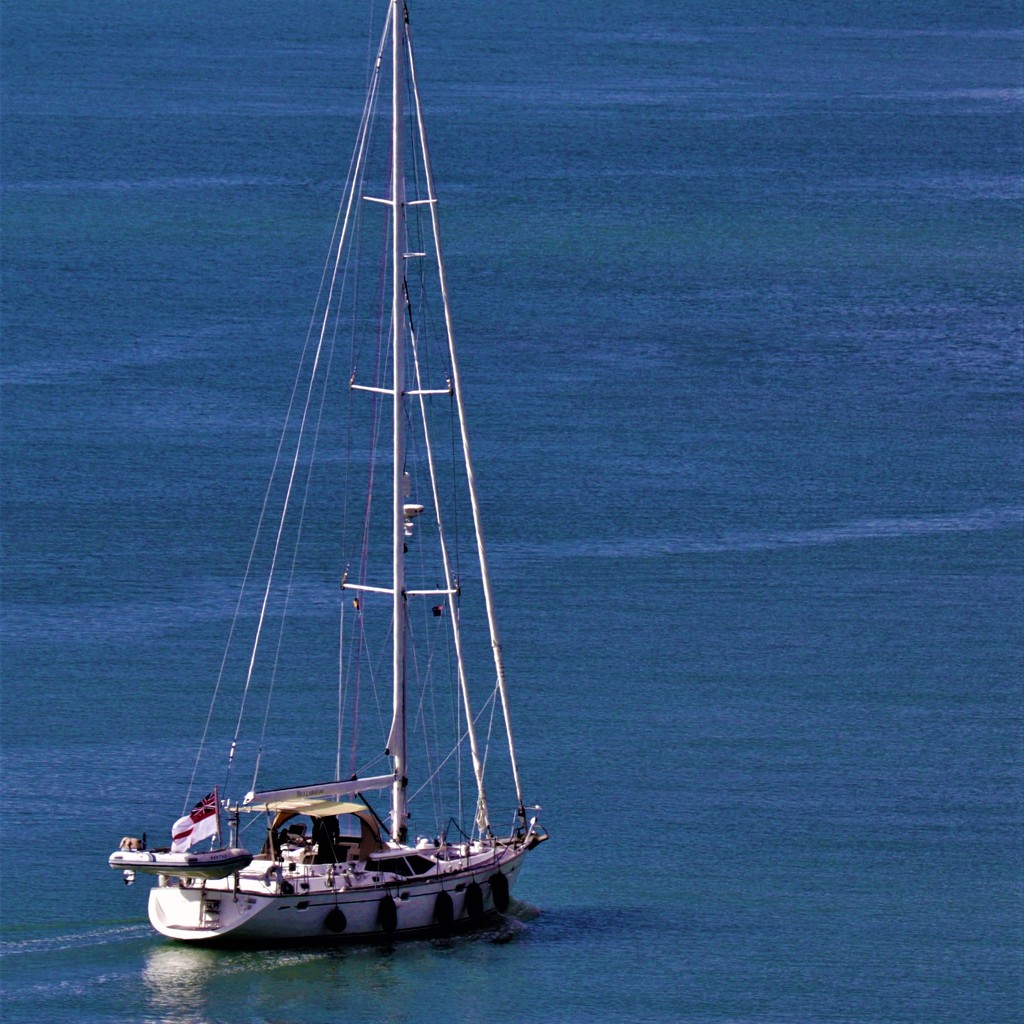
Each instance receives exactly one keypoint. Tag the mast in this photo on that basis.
(397, 740)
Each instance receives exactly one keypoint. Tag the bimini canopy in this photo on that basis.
(322, 800)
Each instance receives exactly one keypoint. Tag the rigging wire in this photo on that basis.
(289, 589)
(490, 702)
(340, 237)
(499, 667)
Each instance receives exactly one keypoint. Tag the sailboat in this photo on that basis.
(320, 862)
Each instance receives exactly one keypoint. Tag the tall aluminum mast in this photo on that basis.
(397, 740)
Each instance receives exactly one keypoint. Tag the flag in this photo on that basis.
(200, 823)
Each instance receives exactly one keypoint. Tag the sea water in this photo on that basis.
(738, 295)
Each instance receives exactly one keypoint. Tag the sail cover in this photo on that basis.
(322, 799)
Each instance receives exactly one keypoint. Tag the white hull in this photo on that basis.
(270, 904)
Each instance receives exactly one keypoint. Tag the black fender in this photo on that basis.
(387, 915)
(499, 891)
(474, 902)
(335, 921)
(444, 911)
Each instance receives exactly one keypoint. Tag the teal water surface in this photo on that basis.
(738, 292)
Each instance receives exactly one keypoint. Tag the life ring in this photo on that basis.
(387, 915)
(335, 921)
(474, 902)
(499, 891)
(444, 911)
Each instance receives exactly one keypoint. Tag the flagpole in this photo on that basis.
(216, 800)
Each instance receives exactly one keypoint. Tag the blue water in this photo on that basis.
(738, 290)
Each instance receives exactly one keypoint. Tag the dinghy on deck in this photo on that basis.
(212, 864)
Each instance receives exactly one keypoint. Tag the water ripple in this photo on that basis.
(882, 528)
